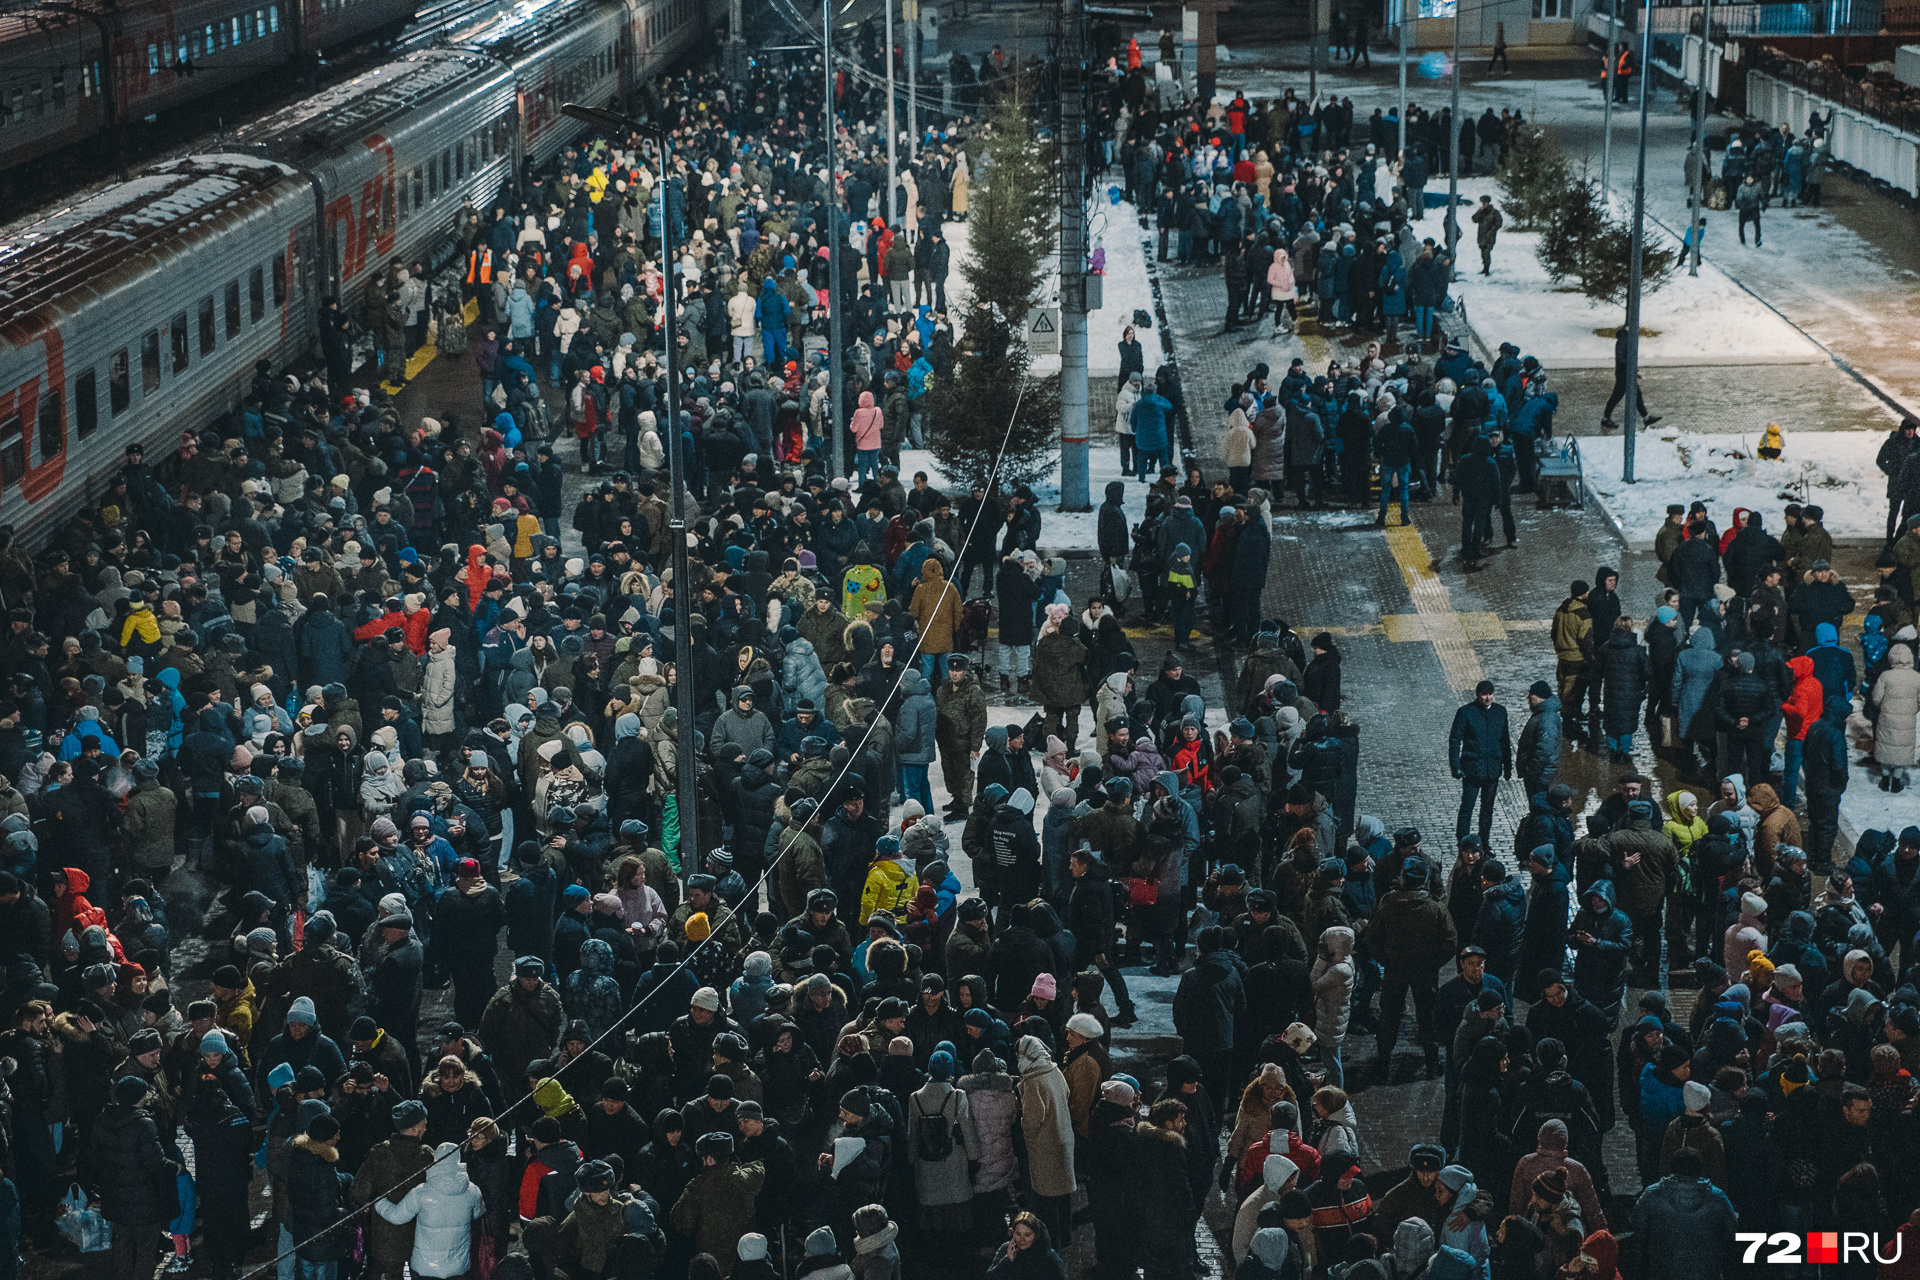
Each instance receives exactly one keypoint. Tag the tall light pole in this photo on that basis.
(910, 10)
(1697, 196)
(836, 296)
(686, 786)
(893, 129)
(1400, 10)
(1607, 73)
(1453, 151)
(1639, 242)
(1075, 483)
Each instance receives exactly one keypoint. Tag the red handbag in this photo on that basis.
(1142, 891)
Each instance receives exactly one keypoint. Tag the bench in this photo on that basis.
(1562, 470)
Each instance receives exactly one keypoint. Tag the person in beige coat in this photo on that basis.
(1896, 701)
(436, 689)
(957, 204)
(1046, 1118)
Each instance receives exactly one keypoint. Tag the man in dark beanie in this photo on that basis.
(132, 1176)
(392, 1169)
(717, 1208)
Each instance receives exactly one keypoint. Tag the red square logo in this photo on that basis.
(1823, 1246)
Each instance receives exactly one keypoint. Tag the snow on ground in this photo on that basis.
(1833, 469)
(1690, 320)
(1116, 228)
(1059, 530)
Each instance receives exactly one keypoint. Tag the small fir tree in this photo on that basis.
(988, 397)
(1586, 243)
(1533, 180)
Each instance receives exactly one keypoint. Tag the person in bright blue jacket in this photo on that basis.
(1533, 428)
(772, 311)
(1151, 413)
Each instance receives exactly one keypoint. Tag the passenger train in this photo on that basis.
(142, 309)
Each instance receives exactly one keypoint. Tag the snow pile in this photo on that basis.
(1831, 469)
(1115, 227)
(1689, 320)
(1059, 530)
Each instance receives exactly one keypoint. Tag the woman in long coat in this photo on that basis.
(1896, 701)
(1046, 1119)
(961, 179)
(942, 1186)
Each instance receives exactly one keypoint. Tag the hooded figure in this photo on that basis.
(443, 1209)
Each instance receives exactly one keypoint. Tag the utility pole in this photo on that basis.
(1639, 241)
(836, 295)
(736, 55)
(686, 787)
(1606, 103)
(1453, 152)
(893, 129)
(1075, 485)
(1400, 12)
(1698, 195)
(910, 10)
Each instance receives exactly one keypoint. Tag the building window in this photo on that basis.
(150, 362)
(1552, 10)
(233, 309)
(119, 385)
(53, 425)
(256, 296)
(206, 325)
(86, 407)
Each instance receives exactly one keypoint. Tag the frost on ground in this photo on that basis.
(1832, 469)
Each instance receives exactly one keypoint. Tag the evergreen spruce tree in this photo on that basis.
(1533, 180)
(1011, 240)
(1586, 243)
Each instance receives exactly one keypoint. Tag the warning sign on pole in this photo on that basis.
(1043, 332)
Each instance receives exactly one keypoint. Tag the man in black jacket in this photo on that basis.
(1090, 919)
(1480, 752)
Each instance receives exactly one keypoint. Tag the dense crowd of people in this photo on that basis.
(339, 692)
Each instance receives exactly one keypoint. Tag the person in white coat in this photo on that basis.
(444, 1206)
(436, 692)
(1333, 978)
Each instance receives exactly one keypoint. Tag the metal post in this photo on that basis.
(1606, 101)
(687, 784)
(1639, 240)
(910, 10)
(1075, 485)
(1698, 196)
(836, 295)
(1400, 11)
(736, 55)
(1453, 152)
(893, 129)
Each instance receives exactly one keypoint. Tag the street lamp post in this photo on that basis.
(893, 130)
(1453, 152)
(1639, 242)
(1698, 195)
(1607, 73)
(836, 295)
(687, 782)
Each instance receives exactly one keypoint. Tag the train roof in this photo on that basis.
(132, 219)
(524, 25)
(348, 111)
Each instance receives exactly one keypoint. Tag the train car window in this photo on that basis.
(232, 301)
(260, 22)
(273, 17)
(279, 279)
(153, 59)
(210, 40)
(177, 342)
(150, 363)
(13, 451)
(239, 29)
(389, 215)
(53, 425)
(460, 160)
(433, 179)
(418, 184)
(446, 169)
(119, 385)
(206, 325)
(256, 296)
(60, 88)
(86, 405)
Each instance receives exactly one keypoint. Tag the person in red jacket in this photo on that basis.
(1802, 708)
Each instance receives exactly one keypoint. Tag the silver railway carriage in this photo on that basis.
(139, 312)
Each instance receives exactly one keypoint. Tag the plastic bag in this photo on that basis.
(84, 1224)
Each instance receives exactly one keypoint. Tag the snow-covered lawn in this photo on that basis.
(1059, 531)
(1689, 321)
(1831, 469)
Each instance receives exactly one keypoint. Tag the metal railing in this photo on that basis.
(1893, 104)
(1819, 18)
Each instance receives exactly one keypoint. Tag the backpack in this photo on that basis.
(936, 1141)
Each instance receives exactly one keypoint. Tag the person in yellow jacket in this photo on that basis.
(1684, 823)
(890, 883)
(139, 626)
